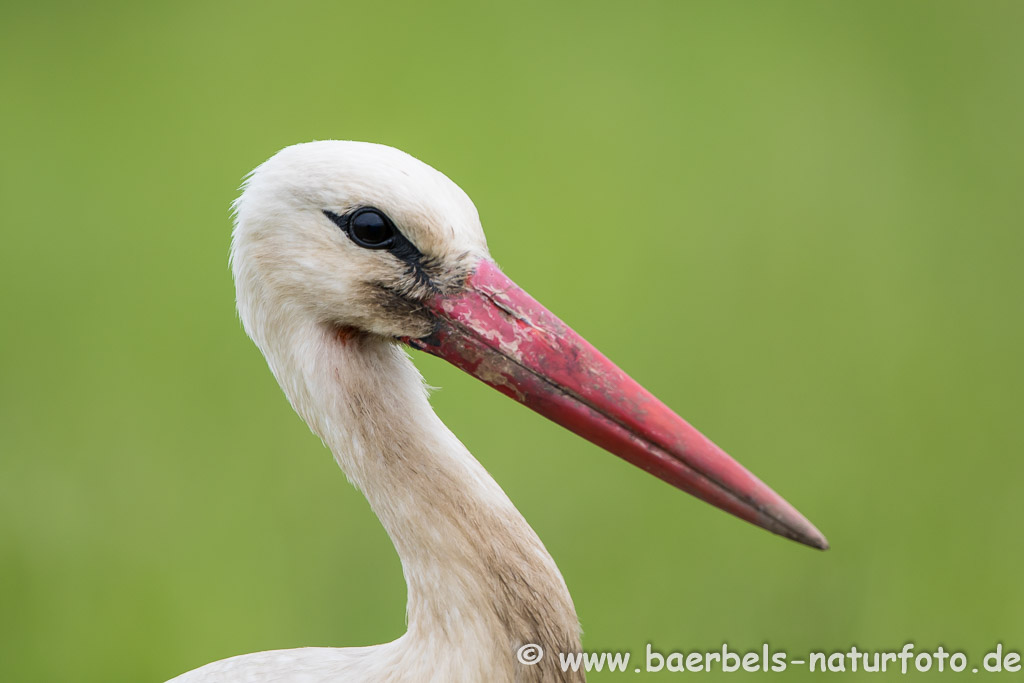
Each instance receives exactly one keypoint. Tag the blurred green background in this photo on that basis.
(798, 223)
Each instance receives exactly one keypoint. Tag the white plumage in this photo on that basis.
(297, 275)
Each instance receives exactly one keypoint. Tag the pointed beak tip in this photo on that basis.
(812, 538)
(785, 520)
(820, 543)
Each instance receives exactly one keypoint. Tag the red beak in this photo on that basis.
(499, 334)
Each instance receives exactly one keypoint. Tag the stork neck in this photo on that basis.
(478, 576)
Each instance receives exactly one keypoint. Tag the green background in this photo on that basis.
(798, 223)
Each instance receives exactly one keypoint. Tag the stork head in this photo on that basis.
(363, 237)
(355, 234)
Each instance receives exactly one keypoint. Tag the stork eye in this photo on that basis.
(367, 227)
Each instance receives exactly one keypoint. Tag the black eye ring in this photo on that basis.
(367, 227)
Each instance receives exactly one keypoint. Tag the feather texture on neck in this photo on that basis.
(480, 582)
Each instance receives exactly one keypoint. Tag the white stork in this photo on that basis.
(345, 252)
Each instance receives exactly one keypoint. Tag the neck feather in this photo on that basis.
(480, 582)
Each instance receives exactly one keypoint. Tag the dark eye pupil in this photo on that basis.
(370, 228)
